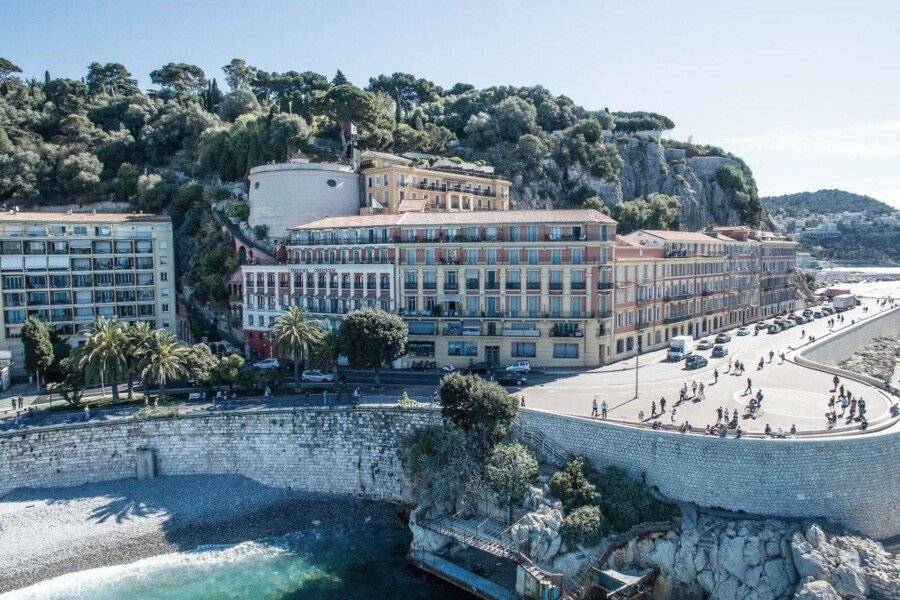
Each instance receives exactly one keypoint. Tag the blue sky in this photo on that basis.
(808, 92)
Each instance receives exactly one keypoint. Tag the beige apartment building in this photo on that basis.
(70, 268)
(395, 184)
(492, 286)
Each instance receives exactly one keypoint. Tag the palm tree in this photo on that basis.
(163, 358)
(104, 353)
(295, 336)
(138, 337)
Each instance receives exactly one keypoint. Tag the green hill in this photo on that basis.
(824, 202)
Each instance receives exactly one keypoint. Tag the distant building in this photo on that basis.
(69, 268)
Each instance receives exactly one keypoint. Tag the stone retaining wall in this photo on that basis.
(850, 480)
(825, 354)
(340, 451)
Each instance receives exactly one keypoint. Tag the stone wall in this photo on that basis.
(833, 349)
(340, 451)
(850, 480)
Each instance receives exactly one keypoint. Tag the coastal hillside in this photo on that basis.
(824, 202)
(189, 141)
(839, 226)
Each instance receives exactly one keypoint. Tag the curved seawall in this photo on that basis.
(338, 451)
(826, 353)
(851, 480)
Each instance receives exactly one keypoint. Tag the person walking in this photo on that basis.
(662, 404)
(673, 414)
(749, 386)
(702, 395)
(604, 407)
(718, 414)
(594, 408)
(715, 376)
(694, 388)
(653, 409)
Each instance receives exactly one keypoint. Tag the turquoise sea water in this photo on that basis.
(360, 563)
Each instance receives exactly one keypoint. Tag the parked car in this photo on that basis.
(807, 312)
(762, 325)
(519, 366)
(704, 344)
(743, 331)
(480, 368)
(316, 376)
(774, 328)
(720, 350)
(818, 314)
(268, 363)
(695, 361)
(448, 368)
(723, 338)
(510, 378)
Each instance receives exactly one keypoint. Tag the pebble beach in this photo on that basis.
(53, 531)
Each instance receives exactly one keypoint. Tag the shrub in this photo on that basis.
(407, 402)
(260, 232)
(475, 404)
(584, 525)
(628, 502)
(510, 469)
(442, 467)
(571, 485)
(238, 210)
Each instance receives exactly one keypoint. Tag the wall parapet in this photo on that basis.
(848, 480)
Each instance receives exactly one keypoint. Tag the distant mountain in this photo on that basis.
(823, 202)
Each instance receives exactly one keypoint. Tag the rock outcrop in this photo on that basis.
(762, 560)
(537, 533)
(649, 167)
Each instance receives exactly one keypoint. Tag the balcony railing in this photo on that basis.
(605, 285)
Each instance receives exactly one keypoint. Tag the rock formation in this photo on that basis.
(762, 560)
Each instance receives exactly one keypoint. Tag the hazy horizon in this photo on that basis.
(806, 94)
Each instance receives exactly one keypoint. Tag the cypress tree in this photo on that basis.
(38, 347)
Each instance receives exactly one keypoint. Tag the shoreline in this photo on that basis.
(126, 520)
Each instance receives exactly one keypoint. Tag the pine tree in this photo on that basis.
(340, 78)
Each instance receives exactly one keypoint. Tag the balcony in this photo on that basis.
(557, 285)
(676, 296)
(513, 285)
(533, 285)
(559, 330)
(604, 314)
(492, 285)
(676, 319)
(520, 332)
(579, 285)
(472, 284)
(605, 285)
(429, 285)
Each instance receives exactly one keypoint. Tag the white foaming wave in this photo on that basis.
(107, 582)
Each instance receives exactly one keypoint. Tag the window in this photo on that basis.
(533, 256)
(492, 256)
(410, 256)
(514, 256)
(462, 349)
(524, 350)
(411, 303)
(514, 234)
(472, 256)
(163, 276)
(533, 233)
(165, 308)
(577, 256)
(565, 350)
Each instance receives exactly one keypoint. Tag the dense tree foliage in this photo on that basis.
(473, 403)
(37, 346)
(372, 337)
(654, 211)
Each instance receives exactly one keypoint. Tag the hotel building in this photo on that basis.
(396, 184)
(70, 268)
(473, 286)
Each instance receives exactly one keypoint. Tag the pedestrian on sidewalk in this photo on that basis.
(673, 414)
(749, 386)
(604, 407)
(715, 376)
(594, 408)
(653, 409)
(702, 395)
(662, 404)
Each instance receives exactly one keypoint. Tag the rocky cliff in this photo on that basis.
(648, 166)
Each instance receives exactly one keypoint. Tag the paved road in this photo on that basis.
(793, 395)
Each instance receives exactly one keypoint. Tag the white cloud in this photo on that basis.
(875, 140)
